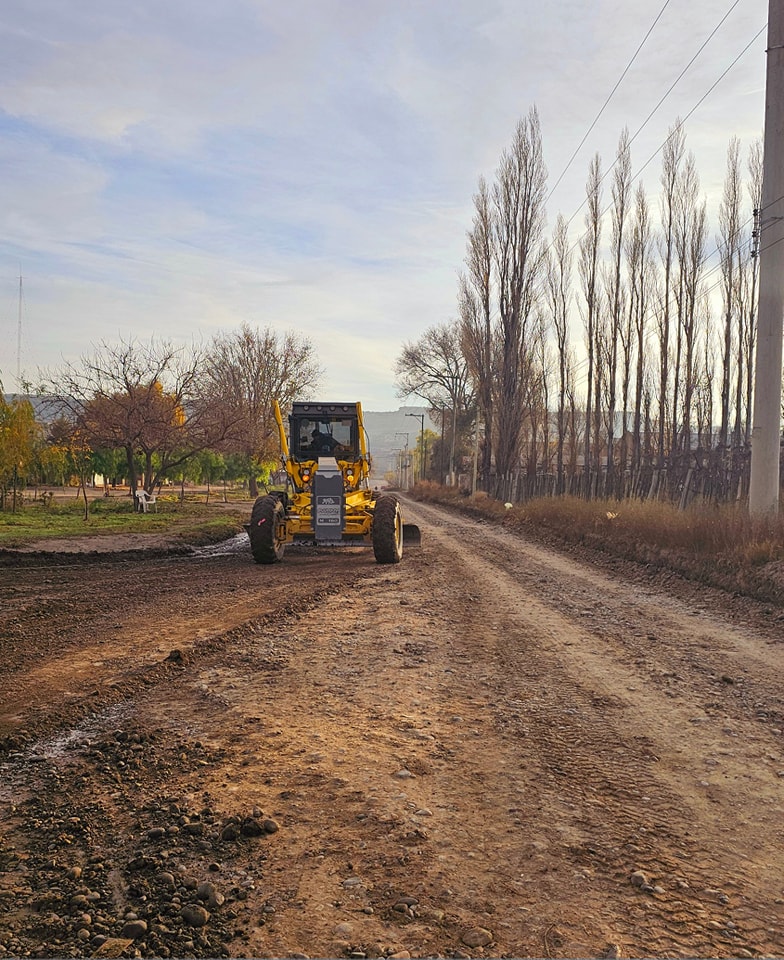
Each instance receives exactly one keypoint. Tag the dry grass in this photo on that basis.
(717, 544)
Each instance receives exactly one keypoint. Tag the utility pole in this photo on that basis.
(404, 483)
(421, 418)
(766, 432)
(19, 338)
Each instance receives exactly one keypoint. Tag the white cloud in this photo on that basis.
(179, 168)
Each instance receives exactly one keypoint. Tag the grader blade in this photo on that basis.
(412, 535)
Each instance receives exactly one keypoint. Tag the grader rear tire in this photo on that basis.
(387, 531)
(265, 519)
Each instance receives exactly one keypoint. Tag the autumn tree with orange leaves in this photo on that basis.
(143, 398)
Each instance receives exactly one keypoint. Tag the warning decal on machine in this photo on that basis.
(328, 510)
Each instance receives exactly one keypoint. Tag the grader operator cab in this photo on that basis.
(328, 498)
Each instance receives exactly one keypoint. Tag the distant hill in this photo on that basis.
(387, 435)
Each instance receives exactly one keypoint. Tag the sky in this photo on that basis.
(175, 169)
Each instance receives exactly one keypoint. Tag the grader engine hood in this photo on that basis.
(328, 501)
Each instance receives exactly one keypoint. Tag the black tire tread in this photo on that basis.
(266, 515)
(387, 531)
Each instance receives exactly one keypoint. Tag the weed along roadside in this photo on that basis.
(716, 545)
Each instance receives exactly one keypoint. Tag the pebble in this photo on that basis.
(477, 937)
(230, 832)
(194, 916)
(270, 825)
(209, 892)
(352, 882)
(344, 930)
(134, 929)
(251, 828)
(404, 775)
(638, 879)
(205, 890)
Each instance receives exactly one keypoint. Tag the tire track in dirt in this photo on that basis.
(623, 760)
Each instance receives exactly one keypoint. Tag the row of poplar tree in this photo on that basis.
(659, 401)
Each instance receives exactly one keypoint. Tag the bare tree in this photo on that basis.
(619, 211)
(639, 257)
(672, 158)
(435, 369)
(589, 274)
(518, 201)
(243, 372)
(729, 243)
(558, 298)
(690, 231)
(475, 298)
(140, 397)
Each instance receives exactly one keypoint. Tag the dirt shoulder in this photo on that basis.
(491, 749)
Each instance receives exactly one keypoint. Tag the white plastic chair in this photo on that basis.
(146, 500)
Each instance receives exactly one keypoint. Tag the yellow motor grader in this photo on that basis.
(328, 499)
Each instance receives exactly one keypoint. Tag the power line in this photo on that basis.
(669, 91)
(607, 101)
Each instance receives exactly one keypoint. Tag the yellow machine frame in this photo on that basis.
(358, 497)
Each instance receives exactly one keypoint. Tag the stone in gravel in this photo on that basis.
(196, 829)
(74, 873)
(167, 879)
(400, 955)
(209, 892)
(155, 833)
(270, 825)
(352, 882)
(638, 879)
(230, 832)
(251, 828)
(194, 916)
(404, 775)
(83, 934)
(477, 937)
(134, 929)
(344, 930)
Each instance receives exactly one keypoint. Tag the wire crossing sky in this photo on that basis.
(174, 170)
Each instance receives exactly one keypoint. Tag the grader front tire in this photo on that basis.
(387, 531)
(265, 520)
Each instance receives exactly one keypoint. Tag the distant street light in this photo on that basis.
(404, 483)
(421, 418)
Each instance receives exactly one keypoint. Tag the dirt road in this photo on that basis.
(492, 749)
